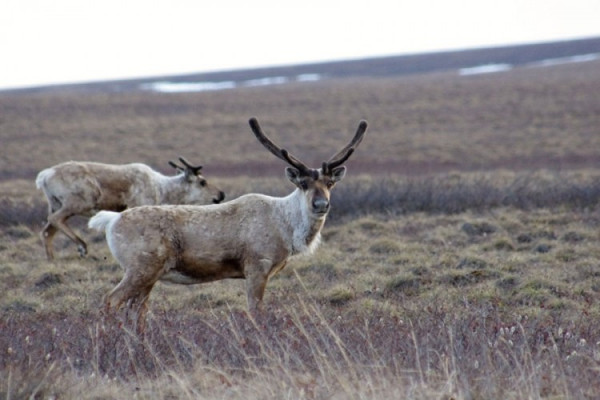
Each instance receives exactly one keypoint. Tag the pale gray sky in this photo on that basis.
(59, 41)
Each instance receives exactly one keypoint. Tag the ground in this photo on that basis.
(460, 260)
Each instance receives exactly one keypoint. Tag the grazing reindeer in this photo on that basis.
(251, 237)
(84, 188)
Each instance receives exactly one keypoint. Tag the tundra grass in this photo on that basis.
(418, 305)
(460, 259)
(530, 118)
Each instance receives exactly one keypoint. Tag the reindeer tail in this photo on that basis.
(102, 220)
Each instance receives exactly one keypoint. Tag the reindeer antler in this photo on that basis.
(190, 167)
(187, 167)
(335, 161)
(280, 153)
(177, 167)
(341, 156)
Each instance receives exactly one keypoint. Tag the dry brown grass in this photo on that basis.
(451, 267)
(418, 306)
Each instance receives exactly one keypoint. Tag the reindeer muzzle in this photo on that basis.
(320, 206)
(220, 198)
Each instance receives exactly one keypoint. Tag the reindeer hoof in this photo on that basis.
(82, 251)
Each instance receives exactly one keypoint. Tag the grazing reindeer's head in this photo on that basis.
(316, 184)
(200, 191)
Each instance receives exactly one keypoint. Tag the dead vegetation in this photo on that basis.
(462, 258)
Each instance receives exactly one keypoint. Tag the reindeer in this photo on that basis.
(84, 188)
(251, 237)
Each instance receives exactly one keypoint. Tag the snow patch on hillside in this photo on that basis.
(185, 87)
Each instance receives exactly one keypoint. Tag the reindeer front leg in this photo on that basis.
(59, 221)
(257, 275)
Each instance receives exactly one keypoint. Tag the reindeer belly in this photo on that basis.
(200, 271)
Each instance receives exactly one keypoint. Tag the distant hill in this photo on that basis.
(371, 67)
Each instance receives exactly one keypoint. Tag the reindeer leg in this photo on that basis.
(255, 289)
(47, 235)
(257, 276)
(141, 309)
(59, 221)
(125, 293)
(134, 291)
(118, 296)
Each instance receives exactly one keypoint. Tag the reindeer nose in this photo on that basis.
(320, 205)
(220, 198)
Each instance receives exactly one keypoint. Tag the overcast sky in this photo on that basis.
(59, 41)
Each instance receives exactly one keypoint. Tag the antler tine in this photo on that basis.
(293, 161)
(194, 169)
(341, 156)
(358, 136)
(172, 164)
(333, 164)
(280, 153)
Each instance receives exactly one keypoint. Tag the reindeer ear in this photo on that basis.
(337, 174)
(293, 174)
(190, 177)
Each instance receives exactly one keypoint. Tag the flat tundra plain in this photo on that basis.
(461, 258)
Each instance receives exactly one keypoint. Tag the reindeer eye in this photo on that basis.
(202, 182)
(330, 184)
(303, 185)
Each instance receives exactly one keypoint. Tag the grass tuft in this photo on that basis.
(469, 278)
(407, 285)
(385, 246)
(340, 295)
(47, 280)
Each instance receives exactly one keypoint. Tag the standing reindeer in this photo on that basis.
(84, 188)
(251, 237)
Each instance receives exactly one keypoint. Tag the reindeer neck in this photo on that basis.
(305, 227)
(169, 188)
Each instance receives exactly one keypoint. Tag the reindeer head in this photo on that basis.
(316, 184)
(198, 190)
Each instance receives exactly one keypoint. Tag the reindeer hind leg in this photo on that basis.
(134, 291)
(47, 235)
(139, 308)
(49, 230)
(59, 220)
